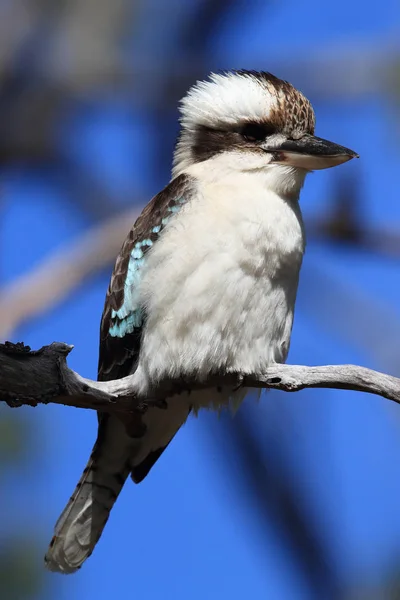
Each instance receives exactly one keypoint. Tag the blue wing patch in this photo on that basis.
(130, 315)
(123, 315)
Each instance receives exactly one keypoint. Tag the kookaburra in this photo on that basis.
(206, 280)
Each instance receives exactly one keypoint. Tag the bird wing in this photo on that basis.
(123, 317)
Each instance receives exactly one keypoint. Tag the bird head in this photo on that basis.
(256, 122)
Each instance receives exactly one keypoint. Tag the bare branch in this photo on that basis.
(32, 377)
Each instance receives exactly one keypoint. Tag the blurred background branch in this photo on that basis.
(61, 273)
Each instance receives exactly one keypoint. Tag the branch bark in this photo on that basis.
(31, 377)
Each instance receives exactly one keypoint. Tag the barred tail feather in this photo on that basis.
(81, 523)
(115, 456)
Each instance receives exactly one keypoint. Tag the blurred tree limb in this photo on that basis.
(42, 376)
(49, 283)
(262, 472)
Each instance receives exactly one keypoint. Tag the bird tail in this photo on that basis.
(115, 455)
(81, 523)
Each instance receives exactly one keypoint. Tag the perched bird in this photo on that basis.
(206, 280)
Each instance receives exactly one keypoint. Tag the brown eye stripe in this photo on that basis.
(256, 131)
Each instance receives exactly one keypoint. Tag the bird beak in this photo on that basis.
(311, 153)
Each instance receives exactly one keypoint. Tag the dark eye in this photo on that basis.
(255, 132)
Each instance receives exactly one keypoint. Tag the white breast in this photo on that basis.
(219, 287)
